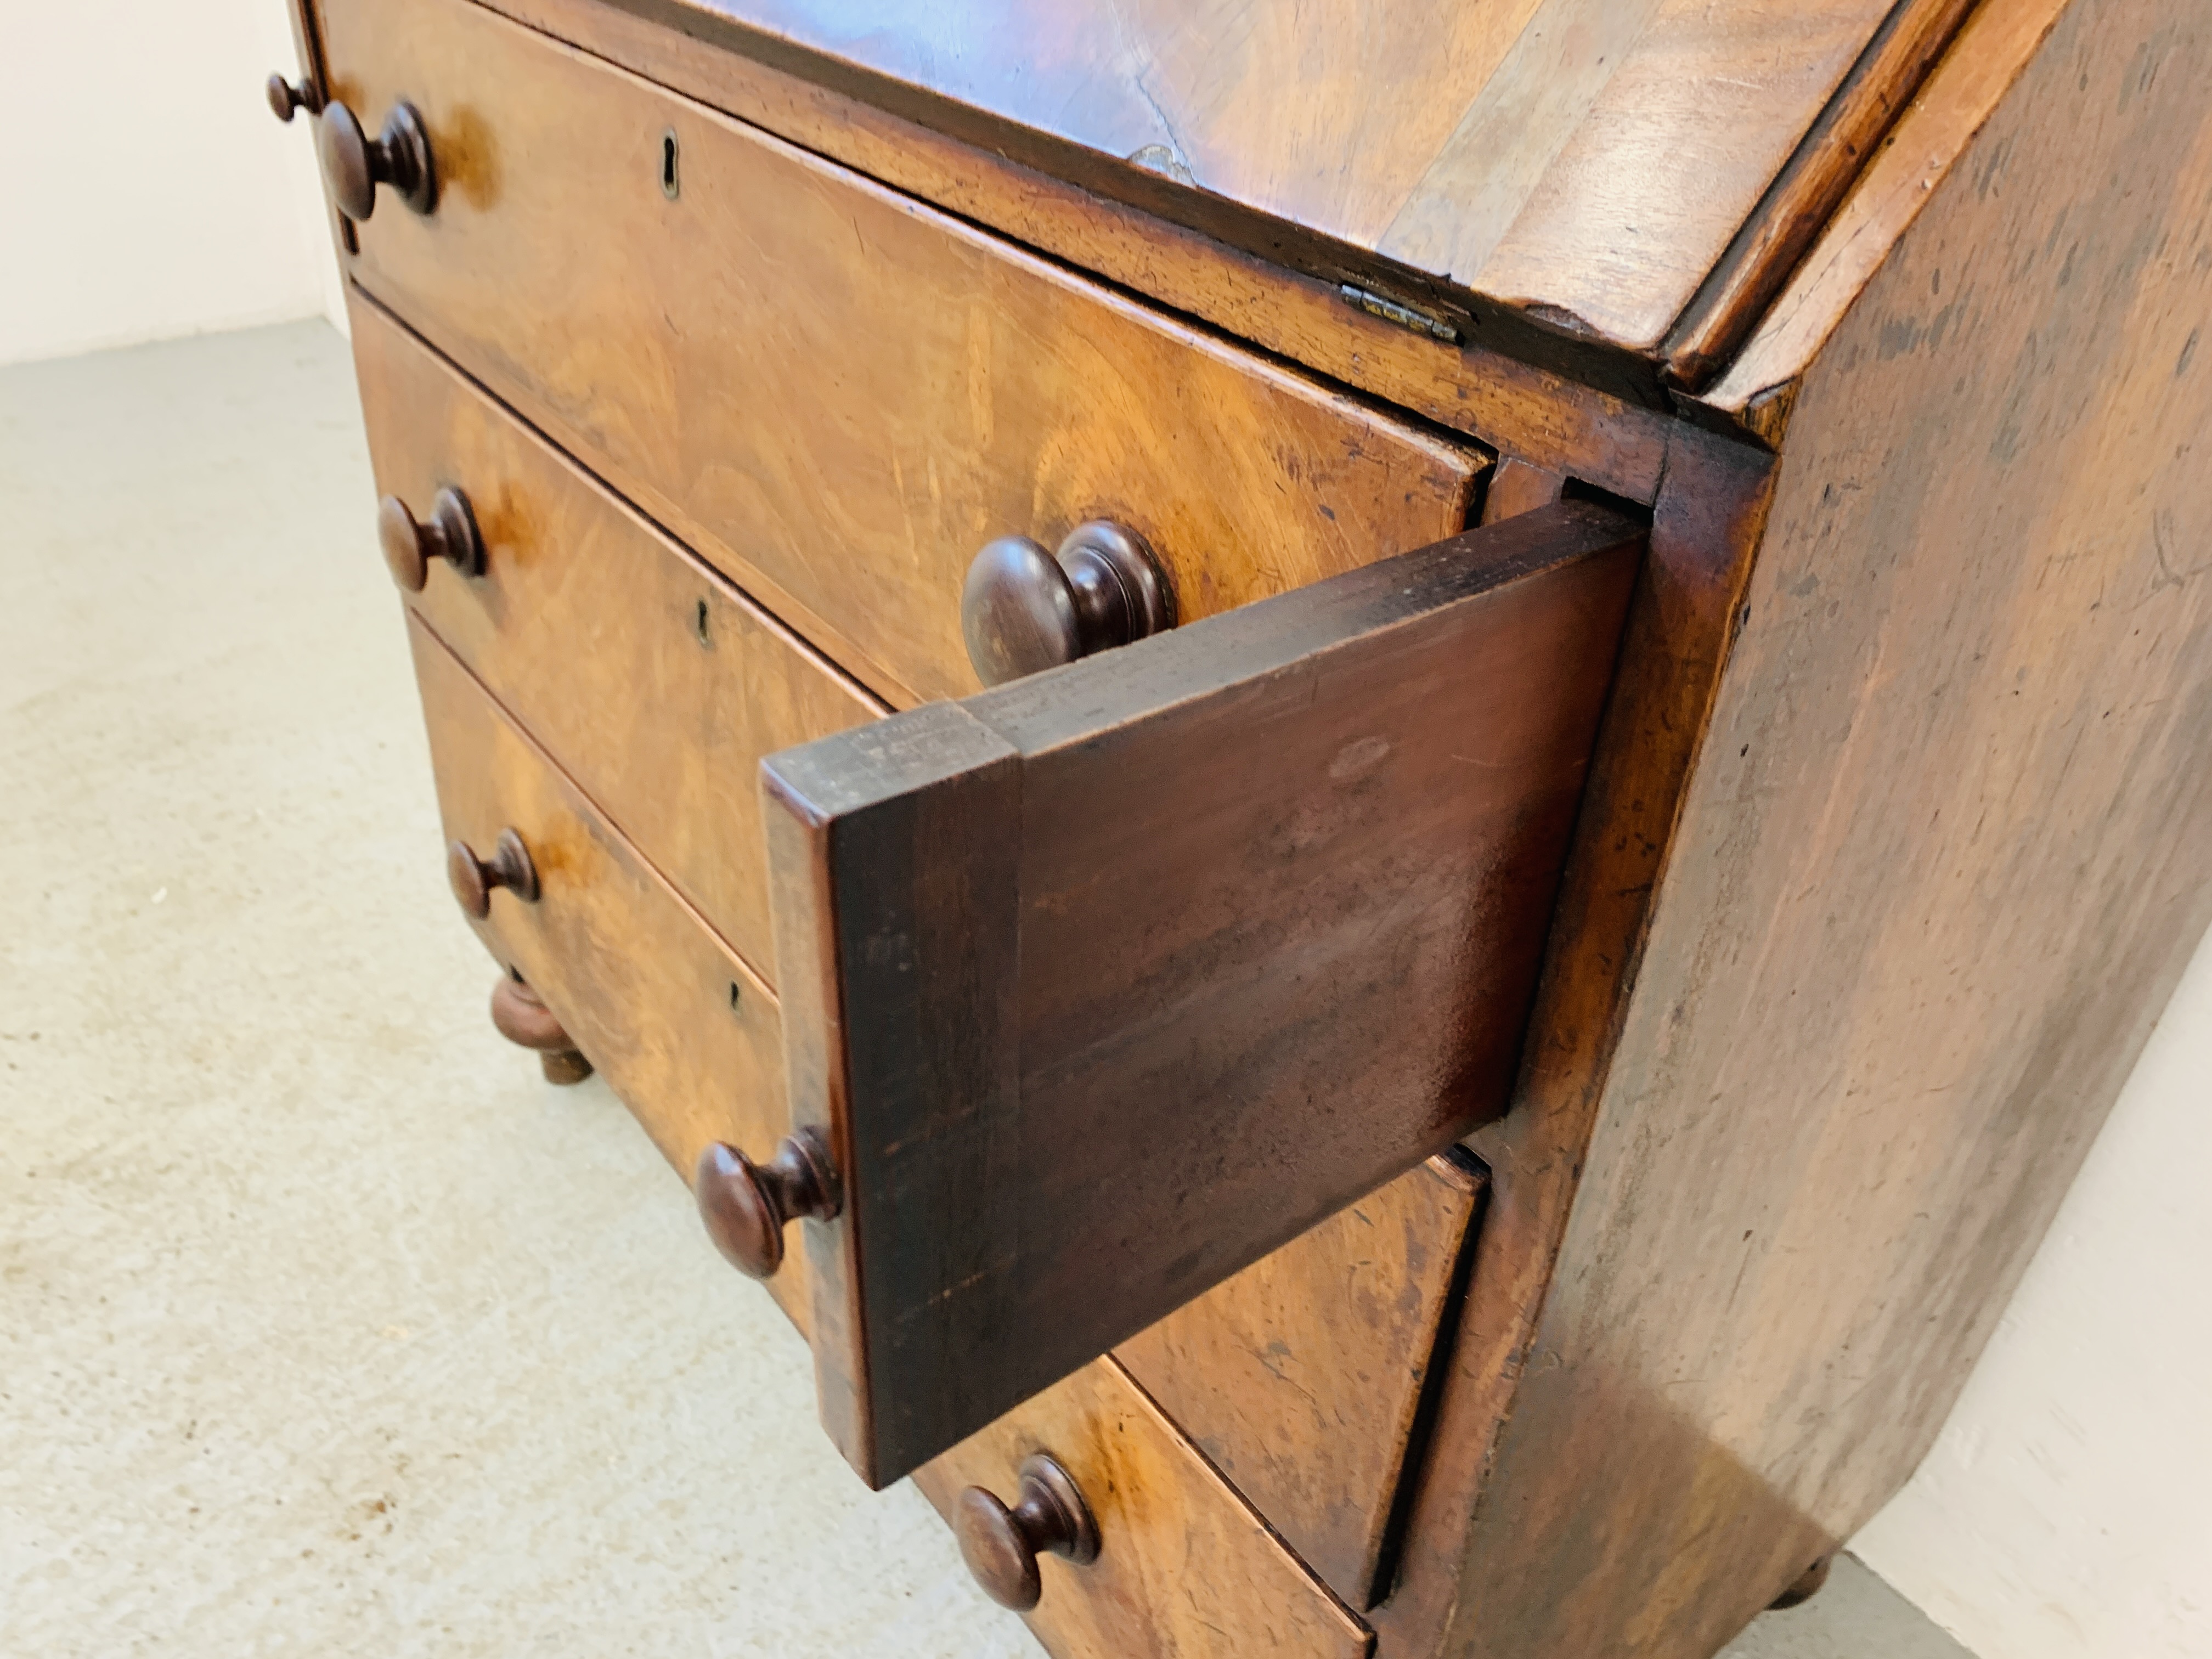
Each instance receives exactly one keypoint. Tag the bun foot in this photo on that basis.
(522, 1019)
(1807, 1587)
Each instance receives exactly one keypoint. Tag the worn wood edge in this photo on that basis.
(803, 915)
(832, 810)
(1675, 652)
(845, 772)
(1804, 197)
(1614, 438)
(1469, 1175)
(1757, 392)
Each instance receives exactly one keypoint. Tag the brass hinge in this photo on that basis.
(1390, 311)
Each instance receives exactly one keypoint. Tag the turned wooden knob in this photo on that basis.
(1000, 1545)
(473, 879)
(746, 1205)
(1023, 609)
(354, 164)
(450, 534)
(285, 97)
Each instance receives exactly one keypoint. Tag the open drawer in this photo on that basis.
(1098, 987)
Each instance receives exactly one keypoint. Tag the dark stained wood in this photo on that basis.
(354, 164)
(657, 684)
(1585, 162)
(979, 391)
(1023, 609)
(1119, 976)
(287, 98)
(682, 1029)
(521, 1018)
(448, 536)
(475, 879)
(1807, 1585)
(746, 1205)
(1185, 1568)
(1301, 1377)
(1946, 848)
(1000, 1545)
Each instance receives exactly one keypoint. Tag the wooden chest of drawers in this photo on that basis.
(1381, 797)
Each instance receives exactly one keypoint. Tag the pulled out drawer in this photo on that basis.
(1178, 1566)
(657, 685)
(1101, 986)
(833, 392)
(683, 1031)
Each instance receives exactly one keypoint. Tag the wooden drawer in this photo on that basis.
(1101, 986)
(836, 394)
(1302, 1378)
(683, 1030)
(656, 684)
(1185, 1570)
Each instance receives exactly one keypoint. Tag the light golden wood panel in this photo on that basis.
(688, 1036)
(1301, 1377)
(832, 392)
(1586, 160)
(1185, 1568)
(657, 685)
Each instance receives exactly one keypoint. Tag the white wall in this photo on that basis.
(145, 190)
(2066, 1513)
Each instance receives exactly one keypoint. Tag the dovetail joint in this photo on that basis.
(1390, 311)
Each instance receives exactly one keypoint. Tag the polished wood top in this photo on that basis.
(1585, 164)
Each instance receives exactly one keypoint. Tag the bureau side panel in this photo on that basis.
(1946, 848)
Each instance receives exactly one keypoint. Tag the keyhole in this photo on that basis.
(736, 996)
(699, 624)
(669, 187)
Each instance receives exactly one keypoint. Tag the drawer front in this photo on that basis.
(685, 1033)
(836, 394)
(1102, 985)
(654, 682)
(1185, 1570)
(1301, 1377)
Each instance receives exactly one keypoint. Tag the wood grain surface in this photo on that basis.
(1105, 983)
(1828, 161)
(832, 393)
(1186, 1569)
(1593, 426)
(1999, 41)
(1947, 849)
(1585, 161)
(656, 684)
(1301, 1378)
(680, 1028)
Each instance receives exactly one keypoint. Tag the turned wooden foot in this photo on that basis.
(1807, 1585)
(522, 1019)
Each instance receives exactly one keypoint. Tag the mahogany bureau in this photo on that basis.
(1380, 793)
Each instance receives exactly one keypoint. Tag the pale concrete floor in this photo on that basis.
(325, 1328)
